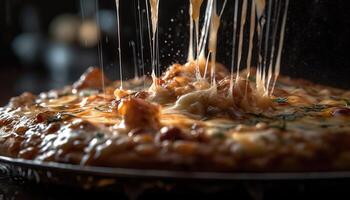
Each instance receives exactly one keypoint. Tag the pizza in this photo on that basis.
(180, 122)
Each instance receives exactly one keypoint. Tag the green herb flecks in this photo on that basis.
(257, 118)
(219, 135)
(77, 111)
(259, 115)
(100, 135)
(103, 108)
(288, 117)
(280, 100)
(315, 108)
(59, 117)
(282, 120)
(53, 119)
(347, 102)
(281, 125)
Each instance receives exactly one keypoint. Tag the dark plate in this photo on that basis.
(38, 170)
(137, 181)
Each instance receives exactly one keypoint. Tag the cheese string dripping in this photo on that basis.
(266, 61)
(154, 18)
(266, 50)
(235, 21)
(273, 45)
(260, 8)
(267, 34)
(190, 45)
(136, 73)
(267, 15)
(195, 7)
(250, 45)
(149, 29)
(99, 47)
(206, 65)
(82, 11)
(280, 47)
(140, 23)
(119, 45)
(240, 43)
(214, 28)
(205, 30)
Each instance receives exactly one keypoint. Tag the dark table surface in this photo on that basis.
(19, 189)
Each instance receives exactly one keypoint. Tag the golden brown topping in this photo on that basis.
(28, 153)
(199, 135)
(20, 130)
(137, 131)
(179, 80)
(170, 133)
(52, 128)
(81, 124)
(92, 79)
(120, 94)
(45, 116)
(138, 113)
(144, 138)
(221, 122)
(185, 147)
(146, 149)
(142, 94)
(26, 99)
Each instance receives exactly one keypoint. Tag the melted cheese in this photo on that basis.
(154, 18)
(240, 43)
(154, 14)
(190, 46)
(195, 102)
(119, 45)
(280, 47)
(215, 23)
(205, 30)
(251, 37)
(260, 7)
(195, 7)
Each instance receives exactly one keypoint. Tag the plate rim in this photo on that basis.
(115, 172)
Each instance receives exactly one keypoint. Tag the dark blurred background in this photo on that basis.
(48, 44)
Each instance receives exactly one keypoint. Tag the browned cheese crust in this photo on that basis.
(182, 123)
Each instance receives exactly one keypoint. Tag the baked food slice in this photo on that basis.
(180, 122)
